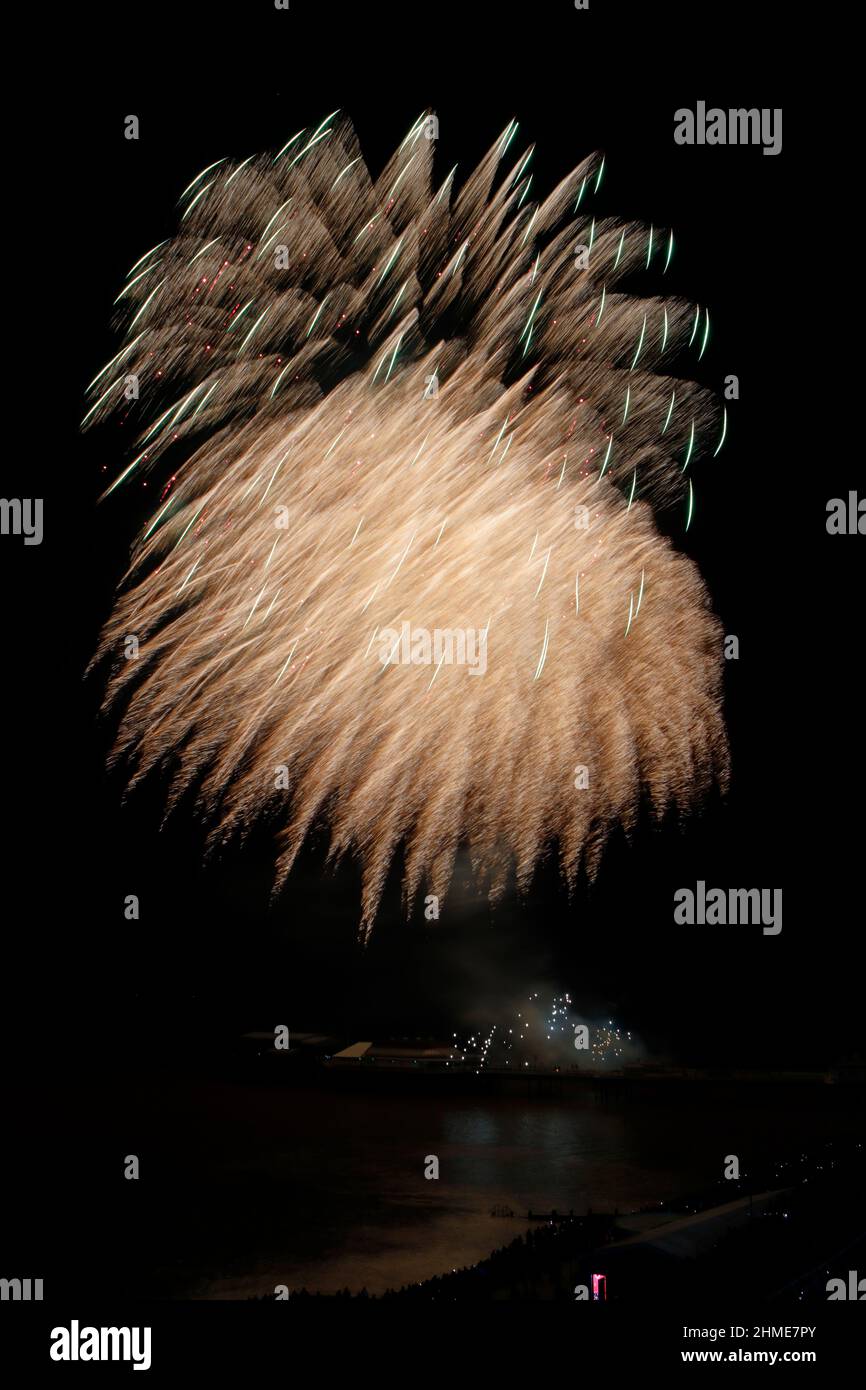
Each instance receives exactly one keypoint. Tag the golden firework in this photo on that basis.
(423, 413)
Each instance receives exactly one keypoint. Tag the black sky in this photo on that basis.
(211, 952)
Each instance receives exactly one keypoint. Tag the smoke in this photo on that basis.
(543, 1028)
(395, 405)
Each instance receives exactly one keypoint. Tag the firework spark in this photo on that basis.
(541, 1037)
(393, 404)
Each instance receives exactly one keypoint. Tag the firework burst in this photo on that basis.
(541, 1036)
(401, 404)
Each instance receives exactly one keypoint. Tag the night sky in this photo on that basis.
(211, 954)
